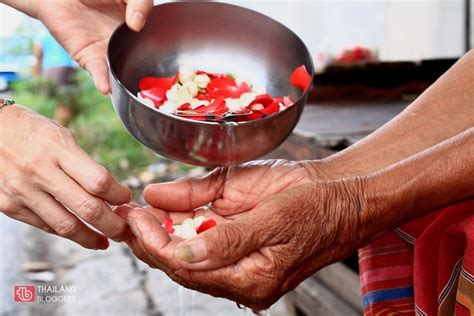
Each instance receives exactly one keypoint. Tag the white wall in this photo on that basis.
(10, 19)
(398, 29)
(423, 29)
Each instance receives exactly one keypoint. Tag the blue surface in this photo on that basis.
(386, 295)
(9, 76)
(54, 54)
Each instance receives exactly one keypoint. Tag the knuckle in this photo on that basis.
(59, 135)
(14, 185)
(10, 207)
(90, 209)
(67, 228)
(118, 230)
(69, 135)
(231, 236)
(102, 181)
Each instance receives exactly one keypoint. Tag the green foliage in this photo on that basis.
(96, 126)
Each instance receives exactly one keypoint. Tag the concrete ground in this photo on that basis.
(110, 282)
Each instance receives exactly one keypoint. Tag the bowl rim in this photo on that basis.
(176, 117)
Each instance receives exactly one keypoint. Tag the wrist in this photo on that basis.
(344, 199)
(367, 203)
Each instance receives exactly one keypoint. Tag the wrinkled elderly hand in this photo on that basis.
(276, 226)
(83, 27)
(48, 181)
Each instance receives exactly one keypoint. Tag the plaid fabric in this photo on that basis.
(425, 267)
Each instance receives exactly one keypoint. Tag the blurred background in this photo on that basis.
(373, 57)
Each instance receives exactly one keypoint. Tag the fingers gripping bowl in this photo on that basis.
(219, 38)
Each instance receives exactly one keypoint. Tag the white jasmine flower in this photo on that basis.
(257, 107)
(247, 98)
(188, 221)
(169, 107)
(179, 95)
(172, 92)
(194, 223)
(147, 101)
(192, 88)
(234, 105)
(198, 220)
(195, 103)
(184, 231)
(185, 75)
(202, 80)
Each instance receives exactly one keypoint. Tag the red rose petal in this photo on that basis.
(272, 108)
(203, 97)
(226, 87)
(217, 106)
(207, 224)
(252, 116)
(185, 106)
(168, 225)
(157, 95)
(263, 99)
(301, 78)
(157, 82)
(286, 101)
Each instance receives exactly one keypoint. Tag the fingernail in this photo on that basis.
(138, 20)
(192, 251)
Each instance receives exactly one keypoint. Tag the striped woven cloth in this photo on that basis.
(425, 267)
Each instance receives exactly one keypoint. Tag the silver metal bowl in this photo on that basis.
(214, 37)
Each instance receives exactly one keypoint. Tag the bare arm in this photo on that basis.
(437, 177)
(442, 111)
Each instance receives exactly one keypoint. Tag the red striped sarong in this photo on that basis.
(425, 267)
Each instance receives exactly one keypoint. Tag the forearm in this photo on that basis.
(28, 7)
(444, 110)
(440, 176)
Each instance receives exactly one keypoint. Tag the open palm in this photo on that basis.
(230, 190)
(255, 206)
